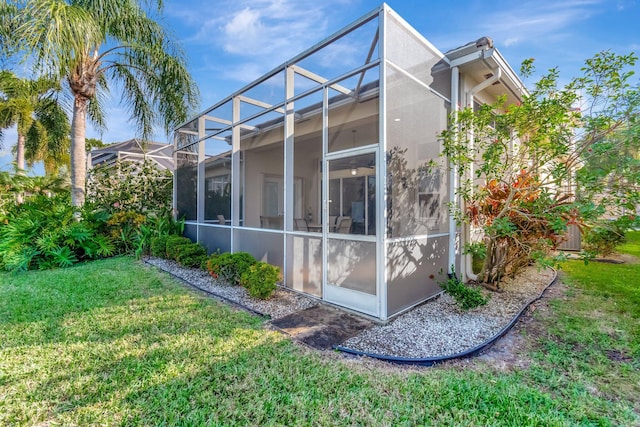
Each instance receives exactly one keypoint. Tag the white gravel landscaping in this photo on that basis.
(282, 303)
(435, 328)
(440, 328)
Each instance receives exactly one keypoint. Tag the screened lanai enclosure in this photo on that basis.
(328, 167)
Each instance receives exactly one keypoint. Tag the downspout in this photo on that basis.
(467, 265)
(453, 172)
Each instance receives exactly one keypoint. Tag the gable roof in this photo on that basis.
(134, 150)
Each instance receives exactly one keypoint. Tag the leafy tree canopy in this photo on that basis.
(563, 155)
(93, 45)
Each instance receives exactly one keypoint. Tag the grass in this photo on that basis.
(113, 342)
(595, 333)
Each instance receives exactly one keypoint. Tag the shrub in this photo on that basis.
(123, 227)
(44, 233)
(211, 264)
(603, 239)
(191, 254)
(465, 296)
(152, 228)
(135, 186)
(230, 267)
(173, 244)
(158, 246)
(478, 251)
(260, 279)
(222, 267)
(242, 261)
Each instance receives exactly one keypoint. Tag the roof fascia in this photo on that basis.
(493, 58)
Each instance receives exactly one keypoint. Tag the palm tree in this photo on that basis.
(48, 140)
(42, 125)
(7, 33)
(94, 43)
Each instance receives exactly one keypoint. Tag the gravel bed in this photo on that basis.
(282, 303)
(439, 328)
(435, 328)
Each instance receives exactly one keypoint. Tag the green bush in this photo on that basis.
(191, 254)
(465, 296)
(260, 280)
(173, 245)
(131, 186)
(158, 246)
(230, 267)
(47, 232)
(123, 227)
(137, 195)
(153, 227)
(603, 239)
(44, 232)
(478, 251)
(213, 264)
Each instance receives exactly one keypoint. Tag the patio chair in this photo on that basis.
(300, 224)
(344, 226)
(333, 226)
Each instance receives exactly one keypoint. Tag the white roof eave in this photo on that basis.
(493, 59)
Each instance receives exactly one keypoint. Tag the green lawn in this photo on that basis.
(116, 343)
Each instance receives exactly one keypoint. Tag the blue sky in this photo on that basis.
(229, 43)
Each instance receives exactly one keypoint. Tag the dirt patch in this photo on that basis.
(511, 351)
(618, 356)
(614, 258)
(321, 326)
(620, 259)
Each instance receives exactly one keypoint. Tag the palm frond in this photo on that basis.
(58, 34)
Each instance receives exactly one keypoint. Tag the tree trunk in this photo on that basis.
(20, 154)
(20, 164)
(78, 153)
(493, 268)
(82, 81)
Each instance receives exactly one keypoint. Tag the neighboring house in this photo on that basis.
(133, 150)
(324, 167)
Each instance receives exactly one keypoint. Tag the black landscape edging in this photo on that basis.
(430, 361)
(213, 294)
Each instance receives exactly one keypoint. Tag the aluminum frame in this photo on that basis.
(382, 241)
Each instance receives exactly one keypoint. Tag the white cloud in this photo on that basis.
(254, 36)
(552, 30)
(244, 72)
(260, 28)
(511, 41)
(274, 28)
(244, 27)
(537, 21)
(624, 5)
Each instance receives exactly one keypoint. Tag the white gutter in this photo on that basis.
(467, 266)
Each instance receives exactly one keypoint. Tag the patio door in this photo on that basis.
(350, 254)
(273, 197)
